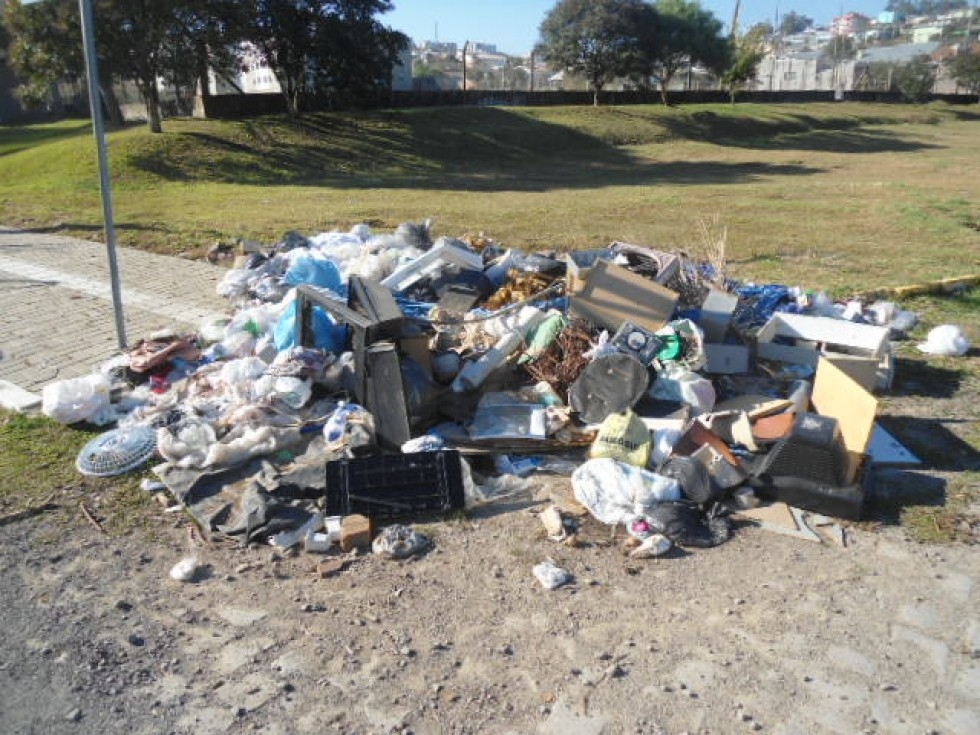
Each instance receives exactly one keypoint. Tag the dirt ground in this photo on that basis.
(763, 633)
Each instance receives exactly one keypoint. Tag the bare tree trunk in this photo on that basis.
(111, 104)
(152, 98)
(203, 77)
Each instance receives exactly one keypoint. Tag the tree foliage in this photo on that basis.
(841, 48)
(685, 33)
(748, 50)
(599, 39)
(965, 69)
(45, 45)
(337, 48)
(915, 80)
(925, 7)
(793, 23)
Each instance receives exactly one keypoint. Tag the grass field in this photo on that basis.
(840, 196)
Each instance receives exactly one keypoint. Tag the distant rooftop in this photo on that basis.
(900, 54)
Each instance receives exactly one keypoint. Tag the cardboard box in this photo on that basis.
(613, 295)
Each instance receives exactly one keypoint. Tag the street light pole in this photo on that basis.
(98, 126)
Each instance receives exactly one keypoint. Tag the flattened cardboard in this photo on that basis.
(613, 295)
(862, 370)
(580, 263)
(779, 518)
(838, 395)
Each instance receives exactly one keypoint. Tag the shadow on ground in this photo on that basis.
(487, 150)
(792, 132)
(916, 377)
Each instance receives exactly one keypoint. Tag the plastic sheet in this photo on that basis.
(947, 340)
(78, 399)
(615, 492)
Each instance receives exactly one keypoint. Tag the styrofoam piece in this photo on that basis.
(885, 450)
(819, 329)
(430, 262)
(15, 398)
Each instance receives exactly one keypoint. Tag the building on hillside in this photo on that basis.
(439, 47)
(401, 73)
(849, 24)
(897, 55)
(803, 71)
(927, 33)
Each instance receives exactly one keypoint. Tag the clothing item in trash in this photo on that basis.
(400, 542)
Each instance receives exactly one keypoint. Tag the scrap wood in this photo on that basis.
(91, 518)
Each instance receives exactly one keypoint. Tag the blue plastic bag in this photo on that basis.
(327, 334)
(316, 272)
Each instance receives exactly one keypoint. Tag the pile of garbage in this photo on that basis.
(363, 379)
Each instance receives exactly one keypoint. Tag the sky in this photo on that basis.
(513, 24)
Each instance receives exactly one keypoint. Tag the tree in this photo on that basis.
(747, 52)
(793, 23)
(965, 69)
(45, 46)
(599, 39)
(137, 37)
(840, 49)
(142, 40)
(685, 33)
(338, 47)
(207, 36)
(915, 80)
(925, 7)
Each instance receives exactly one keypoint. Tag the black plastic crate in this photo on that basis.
(396, 485)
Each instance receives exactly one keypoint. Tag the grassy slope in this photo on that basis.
(808, 193)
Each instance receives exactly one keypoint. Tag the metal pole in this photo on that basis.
(92, 68)
(465, 46)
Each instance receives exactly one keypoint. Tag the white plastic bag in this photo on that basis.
(615, 492)
(675, 383)
(947, 340)
(76, 399)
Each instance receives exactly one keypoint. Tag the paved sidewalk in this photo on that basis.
(56, 315)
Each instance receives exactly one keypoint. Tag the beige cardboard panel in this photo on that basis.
(613, 295)
(862, 370)
(838, 395)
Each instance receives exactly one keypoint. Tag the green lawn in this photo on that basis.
(842, 196)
